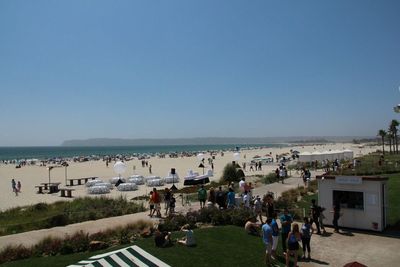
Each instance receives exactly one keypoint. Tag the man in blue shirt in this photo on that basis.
(286, 222)
(267, 239)
(231, 199)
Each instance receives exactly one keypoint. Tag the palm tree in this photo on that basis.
(382, 134)
(393, 128)
(390, 137)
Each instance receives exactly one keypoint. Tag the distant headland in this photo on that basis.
(208, 141)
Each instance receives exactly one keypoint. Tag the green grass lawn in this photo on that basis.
(216, 246)
(393, 189)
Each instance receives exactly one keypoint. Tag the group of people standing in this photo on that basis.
(155, 202)
(291, 233)
(16, 187)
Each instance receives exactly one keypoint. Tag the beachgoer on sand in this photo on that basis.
(14, 187)
(19, 186)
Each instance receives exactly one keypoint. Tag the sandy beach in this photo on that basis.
(30, 176)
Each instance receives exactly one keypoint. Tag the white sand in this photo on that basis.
(34, 175)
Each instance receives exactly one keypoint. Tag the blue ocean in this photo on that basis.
(48, 152)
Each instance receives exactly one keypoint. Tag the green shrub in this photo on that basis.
(58, 220)
(79, 241)
(270, 178)
(11, 253)
(48, 246)
(232, 173)
(240, 216)
(124, 236)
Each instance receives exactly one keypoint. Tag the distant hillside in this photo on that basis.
(204, 141)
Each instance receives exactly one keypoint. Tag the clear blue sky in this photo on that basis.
(169, 69)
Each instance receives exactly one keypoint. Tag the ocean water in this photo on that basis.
(47, 152)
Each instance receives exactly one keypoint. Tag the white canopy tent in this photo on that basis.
(326, 155)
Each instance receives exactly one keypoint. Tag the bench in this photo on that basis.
(40, 189)
(67, 190)
(85, 179)
(52, 187)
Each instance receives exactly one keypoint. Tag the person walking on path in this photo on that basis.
(202, 196)
(315, 213)
(258, 208)
(293, 244)
(275, 235)
(220, 198)
(306, 231)
(246, 200)
(286, 222)
(336, 216)
(167, 198)
(151, 204)
(269, 202)
(212, 198)
(267, 240)
(231, 199)
(157, 201)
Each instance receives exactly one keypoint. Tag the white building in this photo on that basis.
(363, 200)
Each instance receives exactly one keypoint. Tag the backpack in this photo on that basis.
(292, 239)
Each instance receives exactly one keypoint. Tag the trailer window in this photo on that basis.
(349, 199)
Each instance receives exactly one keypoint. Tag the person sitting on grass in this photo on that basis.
(189, 239)
(251, 227)
(162, 239)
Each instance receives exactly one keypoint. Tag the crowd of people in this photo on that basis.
(291, 233)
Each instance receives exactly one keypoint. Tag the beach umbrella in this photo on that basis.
(200, 156)
(119, 168)
(236, 156)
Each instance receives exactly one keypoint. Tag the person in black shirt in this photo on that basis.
(315, 213)
(162, 239)
(336, 215)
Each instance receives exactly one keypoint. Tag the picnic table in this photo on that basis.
(79, 180)
(66, 190)
(50, 187)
